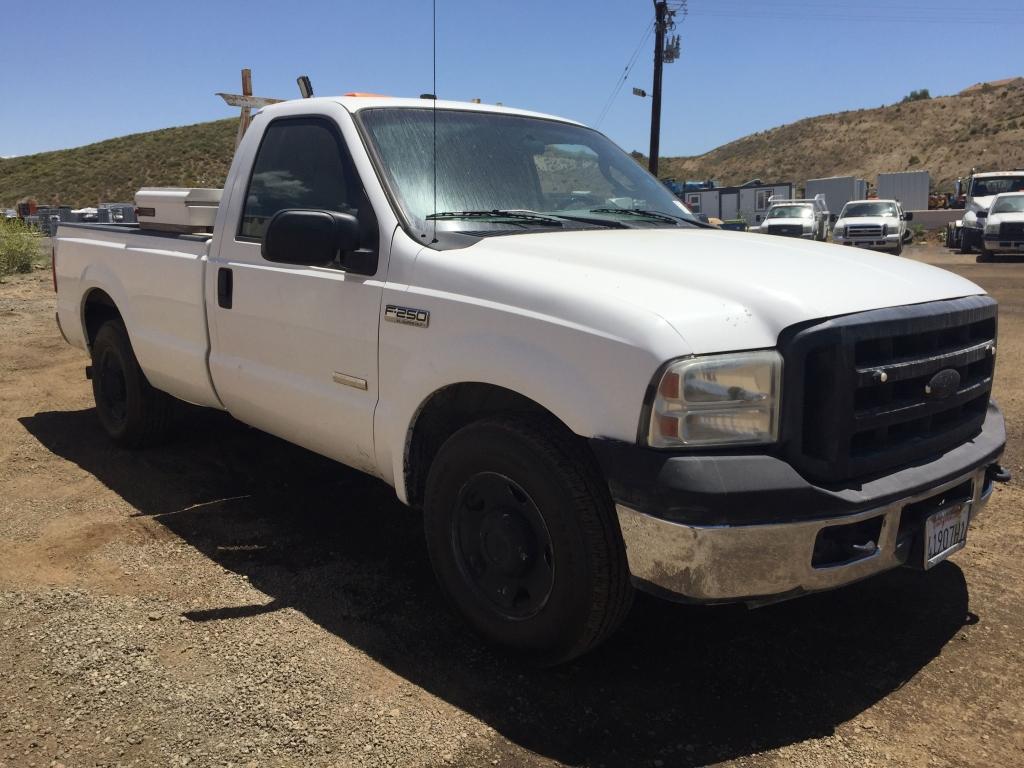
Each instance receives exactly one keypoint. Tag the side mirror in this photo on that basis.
(833, 218)
(315, 238)
(982, 214)
(908, 215)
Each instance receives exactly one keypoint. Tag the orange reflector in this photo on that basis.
(669, 388)
(668, 426)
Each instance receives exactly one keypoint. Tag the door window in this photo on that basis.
(302, 163)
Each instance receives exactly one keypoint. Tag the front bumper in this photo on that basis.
(998, 243)
(724, 532)
(887, 242)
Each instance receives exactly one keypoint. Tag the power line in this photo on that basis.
(625, 75)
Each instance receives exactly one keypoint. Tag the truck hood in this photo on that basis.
(1010, 217)
(861, 220)
(798, 221)
(720, 291)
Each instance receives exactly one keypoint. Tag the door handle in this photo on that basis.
(225, 283)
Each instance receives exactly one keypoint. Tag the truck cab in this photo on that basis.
(880, 225)
(805, 218)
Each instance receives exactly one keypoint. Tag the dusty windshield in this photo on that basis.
(1012, 204)
(853, 210)
(506, 173)
(791, 212)
(996, 185)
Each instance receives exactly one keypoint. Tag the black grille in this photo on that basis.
(1012, 230)
(789, 230)
(856, 399)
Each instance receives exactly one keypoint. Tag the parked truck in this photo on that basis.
(582, 388)
(880, 225)
(806, 217)
(967, 234)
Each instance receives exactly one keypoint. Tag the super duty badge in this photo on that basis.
(407, 315)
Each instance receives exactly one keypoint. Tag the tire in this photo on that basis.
(130, 410)
(965, 240)
(899, 248)
(523, 538)
(985, 257)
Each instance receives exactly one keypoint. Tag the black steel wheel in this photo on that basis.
(523, 538)
(502, 545)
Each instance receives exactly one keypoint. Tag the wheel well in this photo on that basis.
(98, 309)
(447, 411)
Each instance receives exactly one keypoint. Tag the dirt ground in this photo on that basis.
(232, 600)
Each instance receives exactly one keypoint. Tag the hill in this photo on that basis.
(191, 156)
(981, 126)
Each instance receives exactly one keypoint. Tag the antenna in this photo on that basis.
(434, 111)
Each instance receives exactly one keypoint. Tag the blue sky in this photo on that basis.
(78, 73)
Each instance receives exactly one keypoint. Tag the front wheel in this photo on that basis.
(965, 240)
(523, 538)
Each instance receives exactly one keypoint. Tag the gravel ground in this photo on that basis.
(233, 600)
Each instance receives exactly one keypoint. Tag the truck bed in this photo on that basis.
(157, 280)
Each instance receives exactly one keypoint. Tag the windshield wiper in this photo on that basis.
(648, 215)
(518, 215)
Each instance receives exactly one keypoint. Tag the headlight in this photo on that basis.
(718, 400)
(992, 229)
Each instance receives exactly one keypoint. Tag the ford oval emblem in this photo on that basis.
(943, 384)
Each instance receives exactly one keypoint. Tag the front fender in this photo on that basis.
(592, 383)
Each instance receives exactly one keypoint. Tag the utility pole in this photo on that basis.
(660, 21)
(664, 21)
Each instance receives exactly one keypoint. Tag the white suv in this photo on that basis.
(880, 225)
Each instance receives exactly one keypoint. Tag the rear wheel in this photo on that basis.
(523, 538)
(130, 410)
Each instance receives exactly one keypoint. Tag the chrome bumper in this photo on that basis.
(761, 563)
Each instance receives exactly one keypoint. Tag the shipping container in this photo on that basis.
(838, 190)
(910, 188)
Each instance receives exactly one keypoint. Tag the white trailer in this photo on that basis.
(838, 190)
(909, 187)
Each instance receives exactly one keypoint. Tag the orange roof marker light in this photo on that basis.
(367, 95)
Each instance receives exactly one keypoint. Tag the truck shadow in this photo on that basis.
(686, 685)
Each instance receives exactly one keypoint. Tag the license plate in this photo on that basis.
(945, 532)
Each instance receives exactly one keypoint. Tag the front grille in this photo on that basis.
(1012, 230)
(864, 230)
(856, 399)
(788, 230)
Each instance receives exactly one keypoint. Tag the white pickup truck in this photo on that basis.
(880, 225)
(582, 388)
(980, 191)
(806, 218)
(1004, 226)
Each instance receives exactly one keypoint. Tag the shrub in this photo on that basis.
(915, 160)
(921, 95)
(19, 246)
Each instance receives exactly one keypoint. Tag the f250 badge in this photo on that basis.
(407, 315)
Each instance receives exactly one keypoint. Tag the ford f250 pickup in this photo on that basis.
(585, 390)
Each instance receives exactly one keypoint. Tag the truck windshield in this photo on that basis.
(508, 173)
(1011, 204)
(791, 212)
(868, 209)
(996, 185)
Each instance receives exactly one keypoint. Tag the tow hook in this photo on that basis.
(998, 473)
